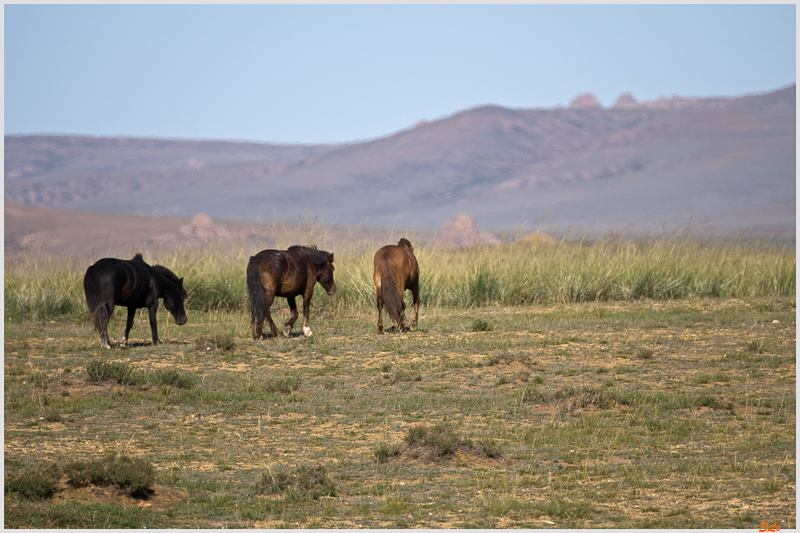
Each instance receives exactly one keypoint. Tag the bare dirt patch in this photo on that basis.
(160, 498)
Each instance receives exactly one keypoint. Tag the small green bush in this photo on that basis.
(132, 475)
(302, 483)
(38, 484)
(440, 436)
(481, 325)
(383, 451)
(122, 373)
(223, 341)
(444, 439)
(170, 377)
(490, 447)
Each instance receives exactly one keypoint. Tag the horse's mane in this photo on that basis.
(169, 274)
(318, 257)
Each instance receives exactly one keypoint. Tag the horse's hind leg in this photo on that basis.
(380, 313)
(128, 325)
(287, 327)
(272, 327)
(415, 294)
(401, 326)
(257, 330)
(103, 313)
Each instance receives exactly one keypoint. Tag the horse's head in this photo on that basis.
(405, 242)
(174, 295)
(325, 276)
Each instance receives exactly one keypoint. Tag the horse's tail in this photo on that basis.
(93, 290)
(392, 295)
(256, 293)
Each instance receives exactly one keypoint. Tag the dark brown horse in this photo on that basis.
(133, 284)
(286, 273)
(396, 270)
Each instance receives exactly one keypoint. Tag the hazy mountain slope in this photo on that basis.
(54, 156)
(729, 161)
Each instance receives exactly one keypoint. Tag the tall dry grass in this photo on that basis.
(611, 268)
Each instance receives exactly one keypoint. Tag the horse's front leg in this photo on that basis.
(128, 325)
(306, 307)
(152, 312)
(287, 327)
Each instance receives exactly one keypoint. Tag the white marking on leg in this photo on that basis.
(307, 331)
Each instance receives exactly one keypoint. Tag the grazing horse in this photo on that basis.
(396, 270)
(286, 273)
(133, 284)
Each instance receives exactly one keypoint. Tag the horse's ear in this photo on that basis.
(330, 257)
(180, 282)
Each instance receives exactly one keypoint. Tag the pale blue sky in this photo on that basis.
(329, 73)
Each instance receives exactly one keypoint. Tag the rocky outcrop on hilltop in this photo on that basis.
(626, 101)
(200, 230)
(463, 231)
(585, 101)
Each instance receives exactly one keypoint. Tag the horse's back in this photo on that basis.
(391, 254)
(399, 258)
(103, 272)
(126, 282)
(279, 271)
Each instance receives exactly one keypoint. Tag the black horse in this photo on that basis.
(133, 284)
(286, 273)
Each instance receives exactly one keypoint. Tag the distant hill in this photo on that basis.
(86, 235)
(728, 162)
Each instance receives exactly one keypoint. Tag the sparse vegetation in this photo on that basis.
(612, 411)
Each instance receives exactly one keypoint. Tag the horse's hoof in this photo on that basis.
(106, 346)
(307, 331)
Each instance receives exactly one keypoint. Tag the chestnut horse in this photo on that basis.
(286, 273)
(133, 284)
(396, 270)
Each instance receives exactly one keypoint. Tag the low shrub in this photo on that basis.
(223, 341)
(170, 377)
(441, 436)
(132, 475)
(37, 484)
(383, 451)
(302, 483)
(122, 373)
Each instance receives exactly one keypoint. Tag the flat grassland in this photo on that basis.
(567, 385)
